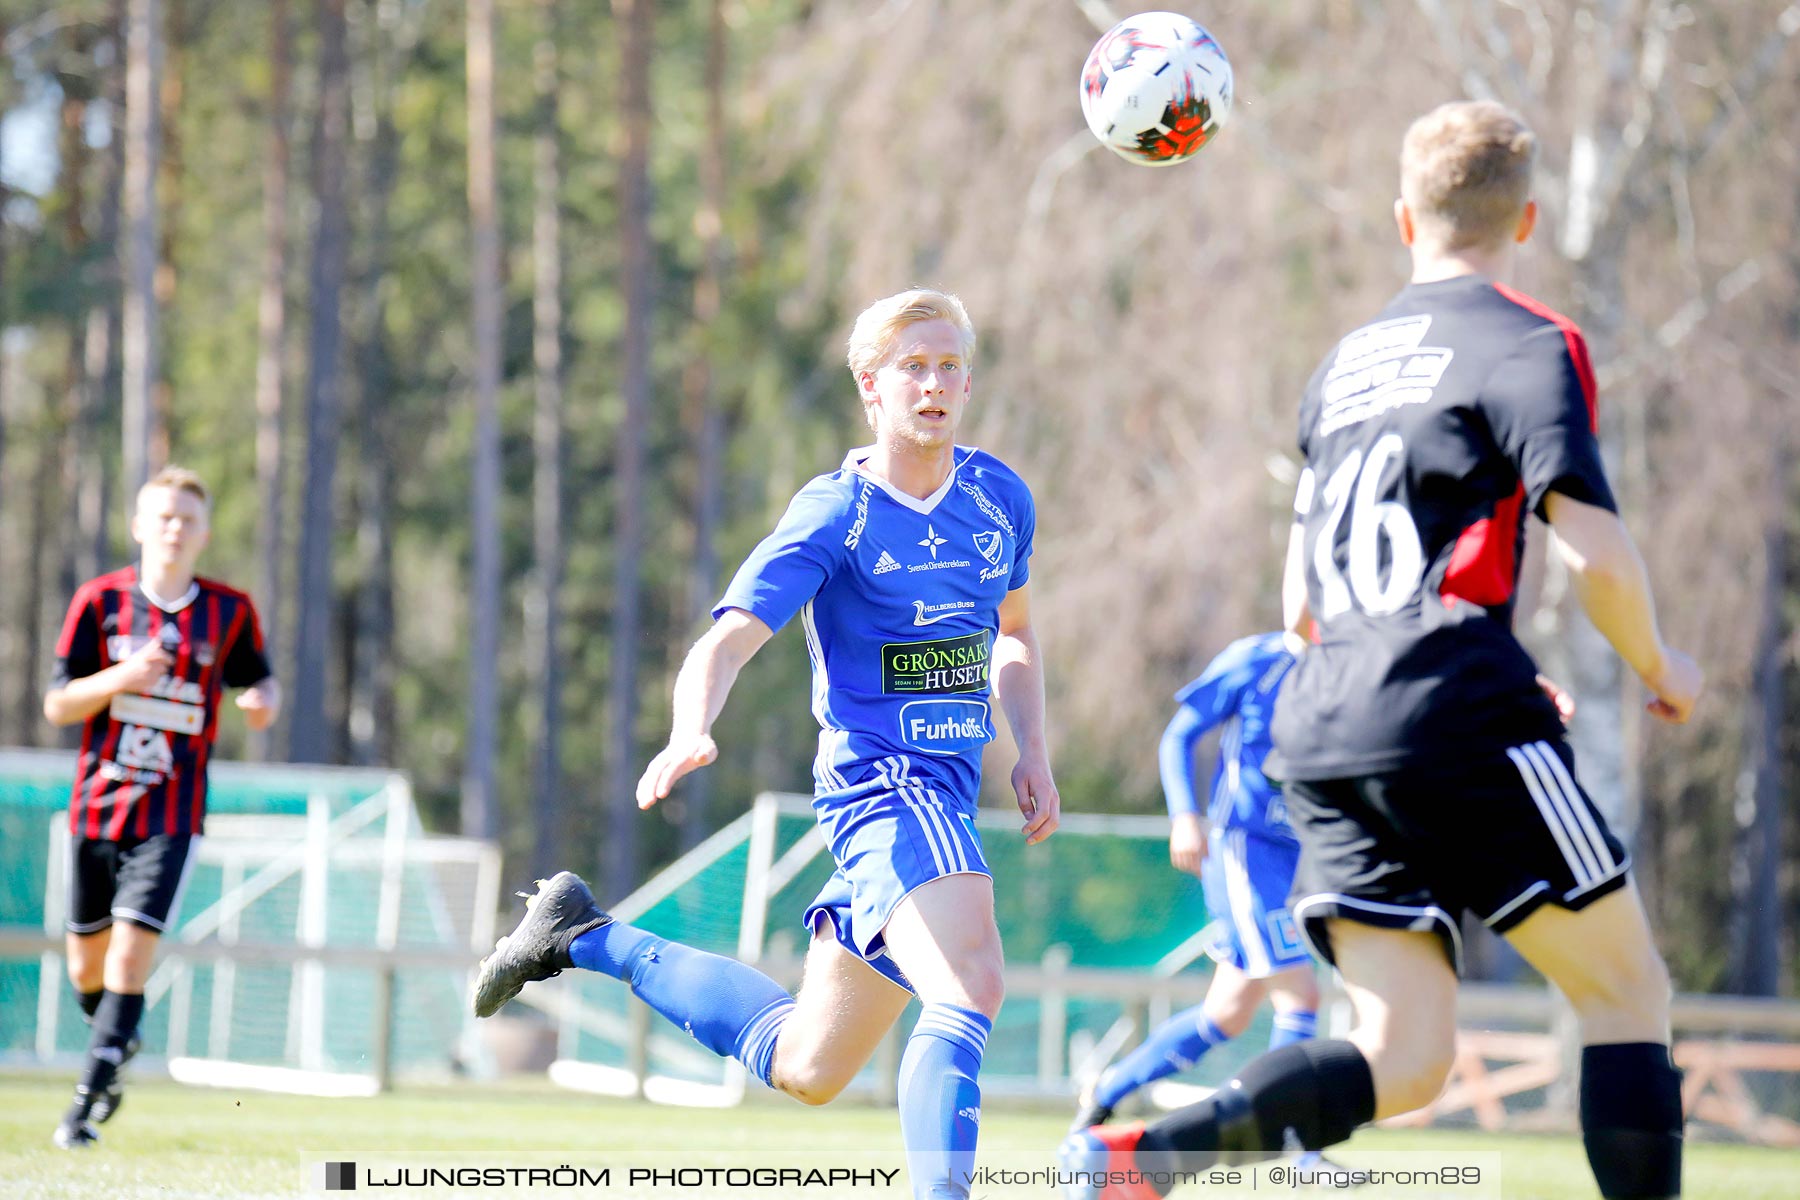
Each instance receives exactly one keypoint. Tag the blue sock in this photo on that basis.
(729, 1007)
(1291, 1027)
(1175, 1045)
(940, 1100)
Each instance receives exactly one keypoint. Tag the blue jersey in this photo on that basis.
(1237, 689)
(900, 601)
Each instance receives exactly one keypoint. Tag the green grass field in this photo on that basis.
(172, 1142)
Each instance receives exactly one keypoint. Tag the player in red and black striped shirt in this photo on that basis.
(144, 655)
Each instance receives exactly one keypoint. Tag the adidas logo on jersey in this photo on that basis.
(885, 563)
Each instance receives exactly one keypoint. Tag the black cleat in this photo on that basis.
(75, 1135)
(108, 1101)
(562, 911)
(1090, 1111)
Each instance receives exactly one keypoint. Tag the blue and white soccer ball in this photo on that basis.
(1156, 88)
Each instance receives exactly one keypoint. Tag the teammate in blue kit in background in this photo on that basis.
(1247, 867)
(909, 569)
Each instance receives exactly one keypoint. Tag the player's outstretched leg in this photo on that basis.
(1314, 1094)
(1100, 1163)
(730, 1008)
(1175, 1045)
(1179, 1043)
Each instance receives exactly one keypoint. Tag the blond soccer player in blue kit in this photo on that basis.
(909, 569)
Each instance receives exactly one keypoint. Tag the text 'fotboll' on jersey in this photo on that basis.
(899, 598)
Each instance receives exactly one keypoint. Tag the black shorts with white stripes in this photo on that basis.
(1415, 848)
(134, 879)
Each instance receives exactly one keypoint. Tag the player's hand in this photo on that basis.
(140, 671)
(1187, 842)
(1677, 686)
(258, 706)
(1038, 799)
(1565, 703)
(683, 754)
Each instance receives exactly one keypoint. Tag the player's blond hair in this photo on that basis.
(177, 479)
(879, 324)
(1465, 172)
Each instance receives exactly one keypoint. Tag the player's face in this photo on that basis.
(172, 526)
(917, 395)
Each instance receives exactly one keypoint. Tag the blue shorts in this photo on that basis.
(887, 841)
(1247, 881)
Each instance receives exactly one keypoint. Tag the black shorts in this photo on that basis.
(133, 879)
(1415, 848)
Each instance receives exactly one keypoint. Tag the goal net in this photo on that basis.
(318, 949)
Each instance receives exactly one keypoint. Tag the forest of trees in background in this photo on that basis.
(503, 328)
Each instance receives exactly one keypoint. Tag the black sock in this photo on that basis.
(1631, 1119)
(89, 1001)
(1306, 1096)
(115, 1020)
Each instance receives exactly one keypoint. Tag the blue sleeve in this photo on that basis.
(1175, 757)
(1021, 572)
(1215, 696)
(788, 567)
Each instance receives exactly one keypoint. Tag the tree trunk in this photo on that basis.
(309, 734)
(143, 72)
(372, 712)
(104, 333)
(479, 806)
(635, 47)
(5, 199)
(706, 419)
(271, 342)
(59, 441)
(543, 607)
(177, 35)
(87, 367)
(1756, 934)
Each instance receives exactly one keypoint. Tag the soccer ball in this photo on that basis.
(1156, 88)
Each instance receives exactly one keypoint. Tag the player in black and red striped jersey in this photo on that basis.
(1425, 768)
(144, 655)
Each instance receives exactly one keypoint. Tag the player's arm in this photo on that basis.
(82, 687)
(1541, 411)
(78, 699)
(701, 687)
(1175, 760)
(1207, 702)
(1296, 615)
(261, 703)
(1019, 686)
(247, 667)
(1614, 590)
